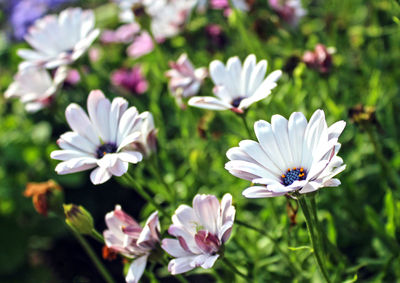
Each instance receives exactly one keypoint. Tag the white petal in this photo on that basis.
(181, 265)
(100, 175)
(296, 127)
(136, 269)
(248, 67)
(209, 102)
(280, 128)
(172, 247)
(259, 192)
(217, 72)
(75, 165)
(130, 156)
(207, 209)
(80, 123)
(257, 76)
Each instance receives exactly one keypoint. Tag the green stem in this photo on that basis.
(243, 117)
(313, 239)
(139, 189)
(92, 255)
(155, 170)
(322, 238)
(294, 268)
(97, 236)
(233, 268)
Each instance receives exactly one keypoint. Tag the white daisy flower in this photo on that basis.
(101, 140)
(290, 156)
(237, 87)
(35, 87)
(59, 40)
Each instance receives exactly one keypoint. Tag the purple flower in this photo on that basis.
(25, 12)
(290, 11)
(130, 79)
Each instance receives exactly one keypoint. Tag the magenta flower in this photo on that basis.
(141, 45)
(184, 79)
(290, 11)
(125, 236)
(130, 79)
(201, 231)
(320, 59)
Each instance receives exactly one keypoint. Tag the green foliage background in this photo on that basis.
(362, 216)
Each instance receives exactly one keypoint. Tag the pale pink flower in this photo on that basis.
(131, 80)
(237, 87)
(73, 77)
(125, 236)
(184, 79)
(36, 87)
(290, 11)
(124, 34)
(320, 59)
(59, 39)
(101, 140)
(141, 45)
(290, 156)
(201, 232)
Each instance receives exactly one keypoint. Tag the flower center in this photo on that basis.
(292, 175)
(106, 148)
(236, 102)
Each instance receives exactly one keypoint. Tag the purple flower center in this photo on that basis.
(106, 148)
(207, 242)
(292, 175)
(236, 102)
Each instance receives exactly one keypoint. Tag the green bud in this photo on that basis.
(79, 219)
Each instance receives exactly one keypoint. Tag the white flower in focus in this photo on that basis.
(201, 231)
(35, 87)
(101, 140)
(237, 86)
(184, 79)
(290, 156)
(125, 236)
(59, 40)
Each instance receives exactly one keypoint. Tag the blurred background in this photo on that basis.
(359, 83)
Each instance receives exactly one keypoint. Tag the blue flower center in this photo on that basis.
(236, 102)
(106, 148)
(291, 175)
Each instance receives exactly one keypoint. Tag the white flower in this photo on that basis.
(125, 236)
(290, 156)
(201, 231)
(184, 79)
(102, 139)
(147, 143)
(59, 40)
(35, 87)
(237, 87)
(126, 14)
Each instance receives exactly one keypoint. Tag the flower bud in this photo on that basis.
(46, 196)
(78, 218)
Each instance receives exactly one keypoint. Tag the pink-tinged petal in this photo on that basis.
(227, 209)
(181, 265)
(75, 165)
(260, 192)
(174, 248)
(209, 102)
(80, 123)
(207, 210)
(151, 230)
(207, 242)
(209, 262)
(185, 237)
(225, 231)
(100, 175)
(136, 269)
(185, 216)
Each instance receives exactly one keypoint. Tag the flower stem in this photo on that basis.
(243, 117)
(155, 170)
(97, 236)
(92, 255)
(313, 238)
(140, 190)
(233, 268)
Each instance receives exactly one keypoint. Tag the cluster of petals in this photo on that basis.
(59, 39)
(320, 59)
(104, 140)
(237, 86)
(201, 231)
(131, 80)
(36, 87)
(125, 236)
(290, 156)
(184, 79)
(291, 11)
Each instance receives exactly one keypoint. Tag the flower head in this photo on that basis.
(35, 87)
(59, 40)
(237, 87)
(184, 79)
(290, 156)
(124, 235)
(201, 232)
(290, 11)
(102, 140)
(131, 80)
(320, 59)
(141, 45)
(79, 219)
(46, 196)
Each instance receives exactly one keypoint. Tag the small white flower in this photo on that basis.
(59, 40)
(126, 236)
(35, 87)
(201, 231)
(102, 140)
(184, 79)
(290, 156)
(237, 87)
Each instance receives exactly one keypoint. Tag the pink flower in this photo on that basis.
(125, 236)
(201, 231)
(123, 34)
(141, 45)
(184, 80)
(290, 11)
(73, 77)
(320, 59)
(130, 79)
